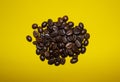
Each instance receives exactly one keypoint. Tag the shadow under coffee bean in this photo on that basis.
(59, 40)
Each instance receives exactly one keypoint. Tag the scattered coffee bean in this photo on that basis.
(29, 38)
(56, 40)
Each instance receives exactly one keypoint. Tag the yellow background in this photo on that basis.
(18, 61)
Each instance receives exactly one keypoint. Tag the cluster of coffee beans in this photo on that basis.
(55, 41)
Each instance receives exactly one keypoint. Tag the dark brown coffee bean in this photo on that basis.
(51, 61)
(74, 37)
(70, 53)
(69, 45)
(69, 32)
(65, 18)
(87, 36)
(62, 61)
(70, 38)
(44, 24)
(64, 39)
(35, 34)
(42, 57)
(57, 63)
(86, 42)
(62, 32)
(60, 20)
(80, 26)
(47, 54)
(75, 49)
(29, 38)
(76, 31)
(70, 24)
(78, 43)
(34, 42)
(83, 31)
(50, 22)
(34, 26)
(61, 45)
(83, 50)
(37, 51)
(73, 60)
(40, 30)
(75, 56)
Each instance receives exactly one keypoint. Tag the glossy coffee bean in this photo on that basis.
(44, 24)
(65, 18)
(86, 42)
(35, 34)
(83, 50)
(76, 31)
(73, 60)
(29, 38)
(78, 43)
(69, 32)
(47, 54)
(42, 57)
(51, 61)
(69, 45)
(60, 20)
(80, 26)
(83, 31)
(34, 26)
(87, 36)
(37, 51)
(70, 24)
(40, 30)
(50, 22)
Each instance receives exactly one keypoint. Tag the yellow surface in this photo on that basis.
(18, 61)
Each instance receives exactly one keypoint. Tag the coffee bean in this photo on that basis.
(37, 51)
(42, 57)
(83, 49)
(47, 54)
(44, 24)
(76, 31)
(83, 31)
(78, 43)
(62, 61)
(80, 26)
(62, 32)
(70, 24)
(86, 42)
(35, 34)
(34, 26)
(64, 39)
(50, 22)
(73, 60)
(51, 61)
(69, 45)
(40, 30)
(70, 53)
(87, 36)
(29, 38)
(65, 18)
(60, 20)
(69, 32)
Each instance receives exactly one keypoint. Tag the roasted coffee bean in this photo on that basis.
(34, 26)
(83, 49)
(81, 25)
(50, 22)
(83, 31)
(62, 32)
(69, 45)
(29, 38)
(78, 43)
(74, 37)
(47, 54)
(57, 63)
(51, 61)
(37, 51)
(44, 24)
(73, 60)
(60, 20)
(75, 56)
(70, 38)
(64, 39)
(62, 61)
(87, 36)
(42, 57)
(40, 30)
(35, 34)
(69, 32)
(65, 18)
(34, 42)
(86, 42)
(76, 31)
(70, 24)
(70, 53)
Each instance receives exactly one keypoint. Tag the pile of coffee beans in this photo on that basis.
(55, 41)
